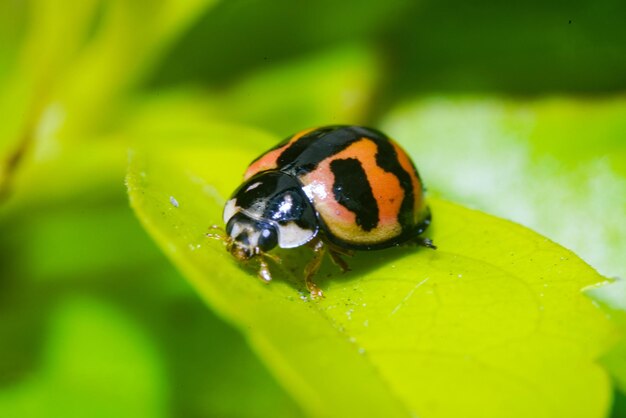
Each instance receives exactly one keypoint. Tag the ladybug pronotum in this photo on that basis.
(335, 189)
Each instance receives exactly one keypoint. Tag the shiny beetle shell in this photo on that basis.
(352, 185)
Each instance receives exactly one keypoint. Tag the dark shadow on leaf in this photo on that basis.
(291, 270)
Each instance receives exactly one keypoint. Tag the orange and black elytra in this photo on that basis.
(336, 189)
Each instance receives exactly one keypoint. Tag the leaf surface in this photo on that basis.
(557, 165)
(122, 376)
(612, 297)
(491, 324)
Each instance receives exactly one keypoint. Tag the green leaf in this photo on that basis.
(336, 85)
(555, 165)
(491, 324)
(121, 376)
(68, 68)
(469, 50)
(612, 297)
(282, 30)
(98, 249)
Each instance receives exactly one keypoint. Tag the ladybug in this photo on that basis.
(336, 189)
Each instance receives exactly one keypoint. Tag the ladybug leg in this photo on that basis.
(264, 268)
(424, 242)
(264, 271)
(319, 249)
(339, 250)
(276, 259)
(335, 255)
(338, 261)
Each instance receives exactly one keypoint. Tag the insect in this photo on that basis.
(335, 189)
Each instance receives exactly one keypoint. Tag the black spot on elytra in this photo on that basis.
(304, 155)
(353, 191)
(387, 159)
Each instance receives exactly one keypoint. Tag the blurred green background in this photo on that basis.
(517, 109)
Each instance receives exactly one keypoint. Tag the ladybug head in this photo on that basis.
(249, 237)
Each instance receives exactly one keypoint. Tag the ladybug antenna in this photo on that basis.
(219, 234)
(264, 268)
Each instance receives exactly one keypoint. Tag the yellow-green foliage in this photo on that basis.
(519, 113)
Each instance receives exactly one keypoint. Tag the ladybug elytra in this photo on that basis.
(335, 189)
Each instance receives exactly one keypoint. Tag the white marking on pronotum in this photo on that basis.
(253, 237)
(253, 234)
(173, 201)
(236, 230)
(291, 235)
(408, 296)
(230, 209)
